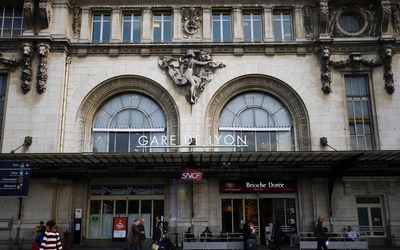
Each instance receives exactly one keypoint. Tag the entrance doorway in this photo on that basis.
(262, 211)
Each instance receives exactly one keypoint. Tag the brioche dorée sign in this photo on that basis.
(190, 174)
(257, 186)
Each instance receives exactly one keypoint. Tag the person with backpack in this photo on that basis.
(320, 234)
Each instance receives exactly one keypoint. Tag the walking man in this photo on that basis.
(142, 236)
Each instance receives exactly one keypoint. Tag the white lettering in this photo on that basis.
(154, 140)
(198, 139)
(218, 138)
(190, 175)
(232, 138)
(241, 141)
(164, 140)
(188, 140)
(172, 140)
(276, 185)
(142, 140)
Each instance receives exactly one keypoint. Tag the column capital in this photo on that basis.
(116, 9)
(146, 8)
(176, 8)
(268, 7)
(298, 6)
(206, 7)
(237, 8)
(85, 9)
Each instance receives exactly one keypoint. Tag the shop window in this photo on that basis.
(129, 123)
(132, 28)
(222, 27)
(252, 27)
(283, 30)
(162, 28)
(255, 122)
(371, 219)
(359, 113)
(11, 22)
(101, 28)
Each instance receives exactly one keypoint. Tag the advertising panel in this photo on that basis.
(264, 185)
(120, 227)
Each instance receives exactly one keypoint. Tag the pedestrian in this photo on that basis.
(246, 232)
(142, 236)
(134, 240)
(51, 239)
(158, 234)
(277, 236)
(320, 234)
(40, 233)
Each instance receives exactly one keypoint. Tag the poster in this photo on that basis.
(119, 227)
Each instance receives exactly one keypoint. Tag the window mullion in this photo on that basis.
(132, 28)
(251, 27)
(221, 17)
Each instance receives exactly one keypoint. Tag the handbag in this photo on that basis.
(154, 247)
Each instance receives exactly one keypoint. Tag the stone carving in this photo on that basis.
(36, 15)
(9, 62)
(323, 18)
(191, 20)
(386, 13)
(307, 22)
(26, 75)
(395, 20)
(366, 15)
(195, 67)
(355, 61)
(44, 50)
(76, 25)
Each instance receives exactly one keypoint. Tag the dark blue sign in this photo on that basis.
(14, 178)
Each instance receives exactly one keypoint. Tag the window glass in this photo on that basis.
(351, 22)
(107, 218)
(11, 21)
(94, 220)
(283, 27)
(222, 27)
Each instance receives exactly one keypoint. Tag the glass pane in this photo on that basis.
(127, 17)
(167, 31)
(111, 142)
(157, 31)
(277, 31)
(369, 143)
(133, 211)
(137, 30)
(120, 208)
(353, 142)
(263, 142)
(106, 17)
(100, 142)
(238, 218)
(107, 220)
(250, 139)
(227, 31)
(18, 12)
(126, 31)
(352, 128)
(262, 118)
(246, 118)
(96, 190)
(361, 143)
(122, 142)
(282, 118)
(9, 11)
(158, 119)
(355, 86)
(145, 213)
(138, 139)
(363, 86)
(7, 23)
(216, 31)
(287, 26)
(225, 138)
(347, 81)
(138, 119)
(94, 221)
(357, 109)
(368, 200)
(251, 210)
(247, 31)
(226, 17)
(17, 23)
(360, 129)
(365, 107)
(123, 118)
(285, 141)
(106, 32)
(377, 220)
(226, 208)
(274, 146)
(97, 17)
(96, 32)
(350, 110)
(257, 32)
(159, 139)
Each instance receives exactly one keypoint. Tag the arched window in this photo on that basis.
(127, 122)
(258, 121)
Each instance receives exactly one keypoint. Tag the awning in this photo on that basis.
(382, 162)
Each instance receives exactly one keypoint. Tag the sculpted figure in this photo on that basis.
(195, 67)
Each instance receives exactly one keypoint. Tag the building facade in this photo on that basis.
(288, 108)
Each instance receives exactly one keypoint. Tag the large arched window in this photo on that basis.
(258, 121)
(127, 122)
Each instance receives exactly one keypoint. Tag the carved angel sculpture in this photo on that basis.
(195, 67)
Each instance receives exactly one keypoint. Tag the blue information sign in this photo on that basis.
(14, 178)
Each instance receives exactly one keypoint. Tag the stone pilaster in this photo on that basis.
(207, 21)
(299, 23)
(146, 25)
(116, 25)
(85, 31)
(177, 24)
(237, 24)
(268, 23)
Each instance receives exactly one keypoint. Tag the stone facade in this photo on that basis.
(55, 91)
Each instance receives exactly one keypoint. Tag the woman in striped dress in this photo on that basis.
(51, 239)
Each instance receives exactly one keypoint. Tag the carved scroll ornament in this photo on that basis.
(191, 20)
(195, 68)
(44, 50)
(355, 61)
(26, 75)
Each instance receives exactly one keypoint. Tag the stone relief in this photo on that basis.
(323, 18)
(191, 20)
(355, 61)
(76, 24)
(41, 84)
(9, 62)
(307, 22)
(395, 20)
(26, 74)
(37, 15)
(195, 68)
(385, 16)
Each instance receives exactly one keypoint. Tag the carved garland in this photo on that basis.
(26, 74)
(41, 84)
(280, 90)
(395, 20)
(112, 87)
(307, 22)
(76, 25)
(355, 61)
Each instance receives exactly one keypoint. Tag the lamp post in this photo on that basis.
(27, 143)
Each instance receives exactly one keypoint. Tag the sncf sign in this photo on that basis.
(189, 174)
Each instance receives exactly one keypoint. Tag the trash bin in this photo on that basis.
(67, 240)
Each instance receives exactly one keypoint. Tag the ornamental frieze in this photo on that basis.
(194, 68)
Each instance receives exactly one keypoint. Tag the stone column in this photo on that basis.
(207, 22)
(85, 25)
(116, 25)
(268, 23)
(237, 24)
(146, 25)
(177, 24)
(299, 23)
(58, 28)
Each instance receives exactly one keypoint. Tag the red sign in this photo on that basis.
(189, 174)
(120, 227)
